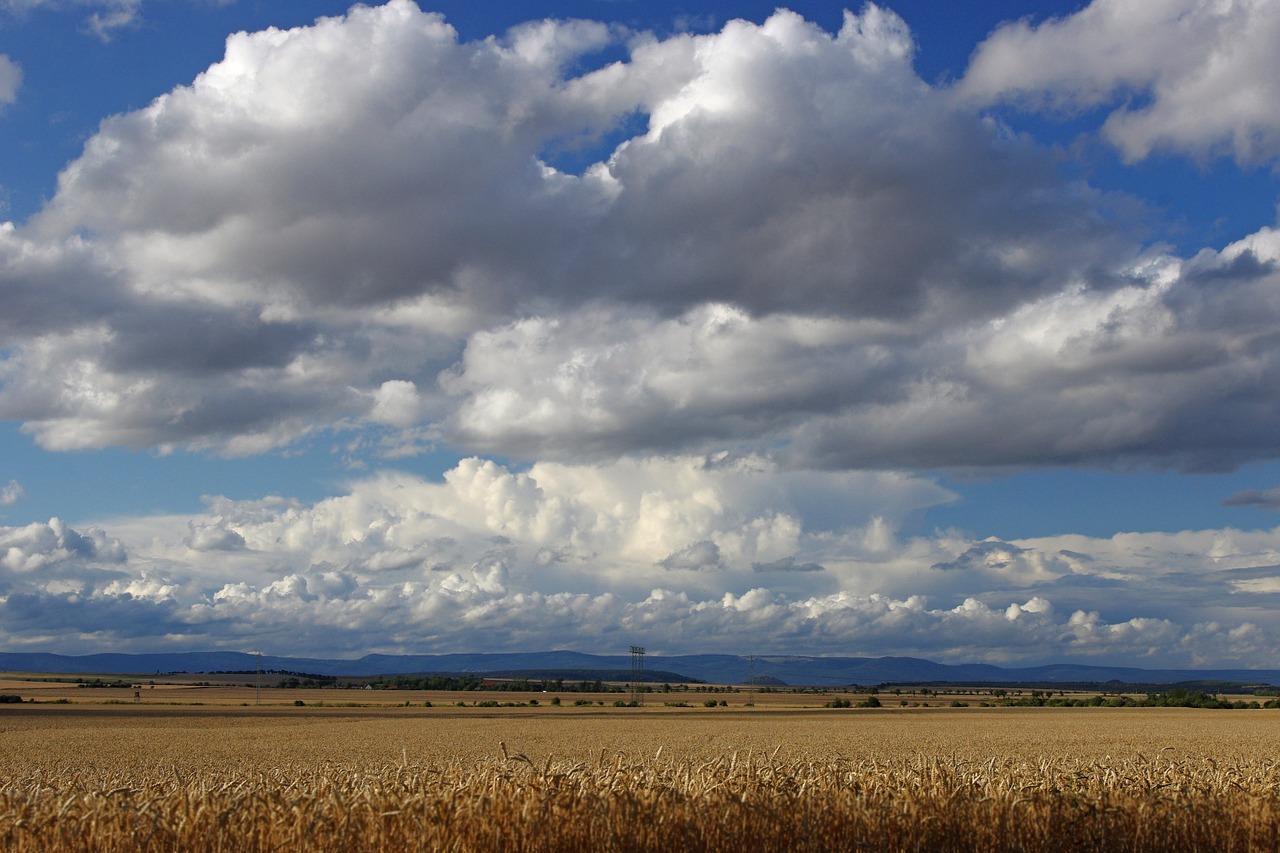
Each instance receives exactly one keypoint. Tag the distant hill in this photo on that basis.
(796, 670)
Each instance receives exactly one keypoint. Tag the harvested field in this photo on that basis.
(157, 778)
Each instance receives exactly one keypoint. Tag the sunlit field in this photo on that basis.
(109, 773)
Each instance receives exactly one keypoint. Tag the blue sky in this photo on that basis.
(919, 328)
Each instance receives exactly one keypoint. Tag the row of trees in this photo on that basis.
(1176, 698)
(531, 685)
(514, 685)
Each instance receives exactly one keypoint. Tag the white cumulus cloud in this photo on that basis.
(797, 248)
(1195, 76)
(315, 236)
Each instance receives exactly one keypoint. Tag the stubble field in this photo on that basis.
(97, 776)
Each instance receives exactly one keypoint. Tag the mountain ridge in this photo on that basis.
(797, 670)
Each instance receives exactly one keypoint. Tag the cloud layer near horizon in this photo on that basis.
(803, 248)
(684, 554)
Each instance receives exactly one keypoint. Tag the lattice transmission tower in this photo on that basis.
(637, 673)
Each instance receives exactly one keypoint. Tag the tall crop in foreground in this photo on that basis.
(739, 802)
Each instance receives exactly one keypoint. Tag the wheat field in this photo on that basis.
(120, 778)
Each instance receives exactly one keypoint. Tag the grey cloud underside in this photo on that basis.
(1264, 498)
(802, 249)
(696, 556)
(112, 618)
(786, 564)
(203, 342)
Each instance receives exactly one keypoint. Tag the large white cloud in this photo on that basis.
(299, 175)
(316, 235)
(1197, 76)
(790, 245)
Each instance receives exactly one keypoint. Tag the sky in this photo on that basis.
(914, 328)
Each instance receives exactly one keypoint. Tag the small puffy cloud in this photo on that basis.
(104, 18)
(11, 492)
(397, 403)
(1193, 76)
(112, 16)
(1033, 607)
(10, 80)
